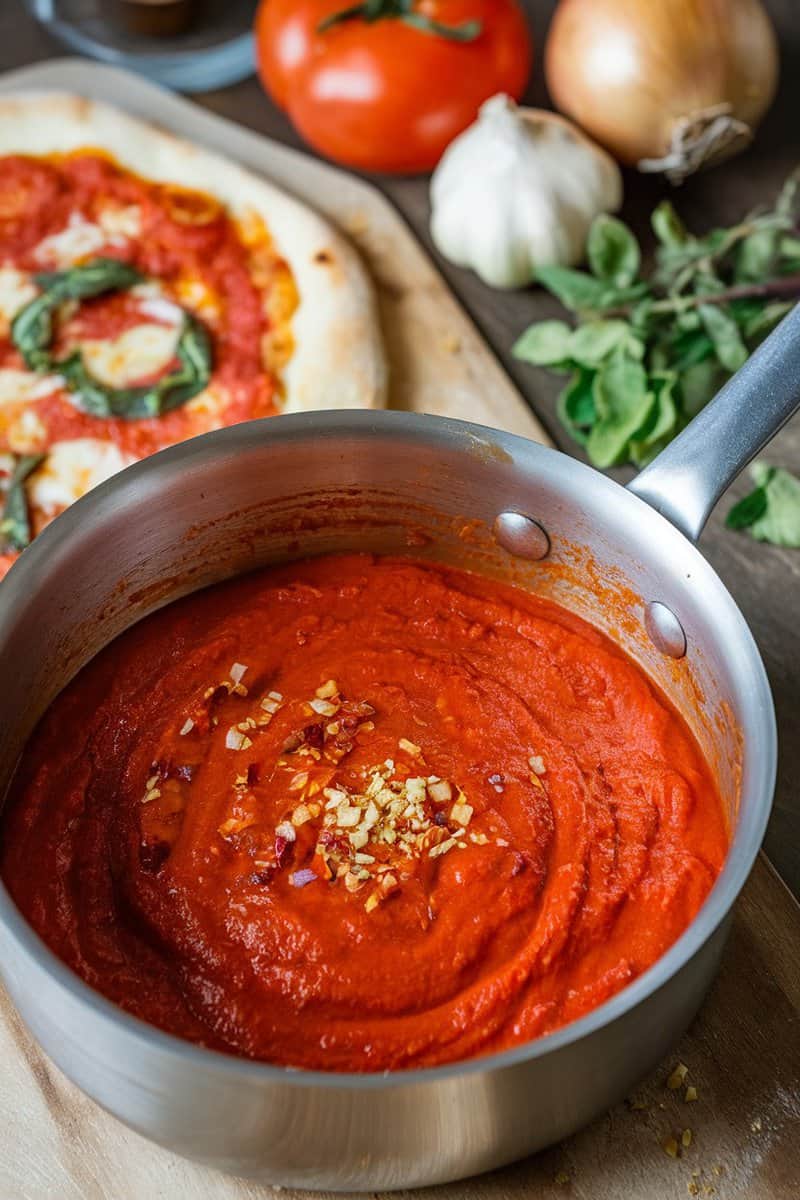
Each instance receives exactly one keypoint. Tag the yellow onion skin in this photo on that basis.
(629, 71)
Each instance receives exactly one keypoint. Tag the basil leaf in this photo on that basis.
(32, 332)
(724, 333)
(779, 524)
(575, 406)
(623, 404)
(15, 525)
(168, 393)
(612, 251)
(545, 344)
(90, 279)
(32, 328)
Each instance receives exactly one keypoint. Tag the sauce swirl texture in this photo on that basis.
(361, 814)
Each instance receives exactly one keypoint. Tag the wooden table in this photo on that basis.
(743, 1050)
(763, 579)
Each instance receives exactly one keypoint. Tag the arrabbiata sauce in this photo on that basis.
(359, 814)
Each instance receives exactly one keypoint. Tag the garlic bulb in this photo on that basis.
(518, 190)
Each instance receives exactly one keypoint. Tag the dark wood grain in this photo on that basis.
(764, 580)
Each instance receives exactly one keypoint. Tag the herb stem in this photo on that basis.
(785, 287)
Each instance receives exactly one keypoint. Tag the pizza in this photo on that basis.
(151, 291)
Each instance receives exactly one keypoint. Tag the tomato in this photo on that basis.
(384, 93)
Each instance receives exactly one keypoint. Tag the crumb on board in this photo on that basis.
(670, 1146)
(451, 343)
(561, 1178)
(691, 1094)
(677, 1077)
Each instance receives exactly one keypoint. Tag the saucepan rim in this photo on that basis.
(714, 911)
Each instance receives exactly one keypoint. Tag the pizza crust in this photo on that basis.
(338, 359)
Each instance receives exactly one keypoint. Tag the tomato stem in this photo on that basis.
(402, 10)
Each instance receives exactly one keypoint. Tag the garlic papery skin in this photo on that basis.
(519, 190)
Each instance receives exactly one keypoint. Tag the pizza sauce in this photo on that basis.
(62, 212)
(361, 814)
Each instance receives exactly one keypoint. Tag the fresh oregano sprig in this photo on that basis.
(771, 512)
(650, 348)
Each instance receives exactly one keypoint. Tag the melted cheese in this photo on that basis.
(71, 469)
(81, 239)
(196, 295)
(16, 290)
(27, 433)
(136, 354)
(23, 387)
(120, 223)
(210, 403)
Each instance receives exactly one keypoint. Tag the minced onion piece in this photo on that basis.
(237, 672)
(235, 739)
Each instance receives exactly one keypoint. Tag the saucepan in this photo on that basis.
(300, 485)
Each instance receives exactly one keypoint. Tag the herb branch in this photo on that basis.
(650, 348)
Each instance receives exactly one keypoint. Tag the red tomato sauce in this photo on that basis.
(190, 828)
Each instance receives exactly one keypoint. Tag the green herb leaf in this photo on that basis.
(15, 525)
(596, 340)
(771, 513)
(661, 425)
(755, 256)
(32, 332)
(545, 344)
(667, 225)
(623, 404)
(724, 333)
(686, 325)
(575, 289)
(575, 406)
(748, 510)
(699, 383)
(613, 251)
(788, 202)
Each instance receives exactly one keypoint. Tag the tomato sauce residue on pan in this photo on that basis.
(361, 814)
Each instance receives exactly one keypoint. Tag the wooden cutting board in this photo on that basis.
(743, 1050)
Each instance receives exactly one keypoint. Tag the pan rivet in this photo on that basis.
(521, 536)
(666, 631)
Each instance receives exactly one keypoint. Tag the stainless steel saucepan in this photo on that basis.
(293, 486)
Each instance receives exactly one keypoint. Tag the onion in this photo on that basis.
(665, 85)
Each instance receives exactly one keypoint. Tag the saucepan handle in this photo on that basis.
(687, 479)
